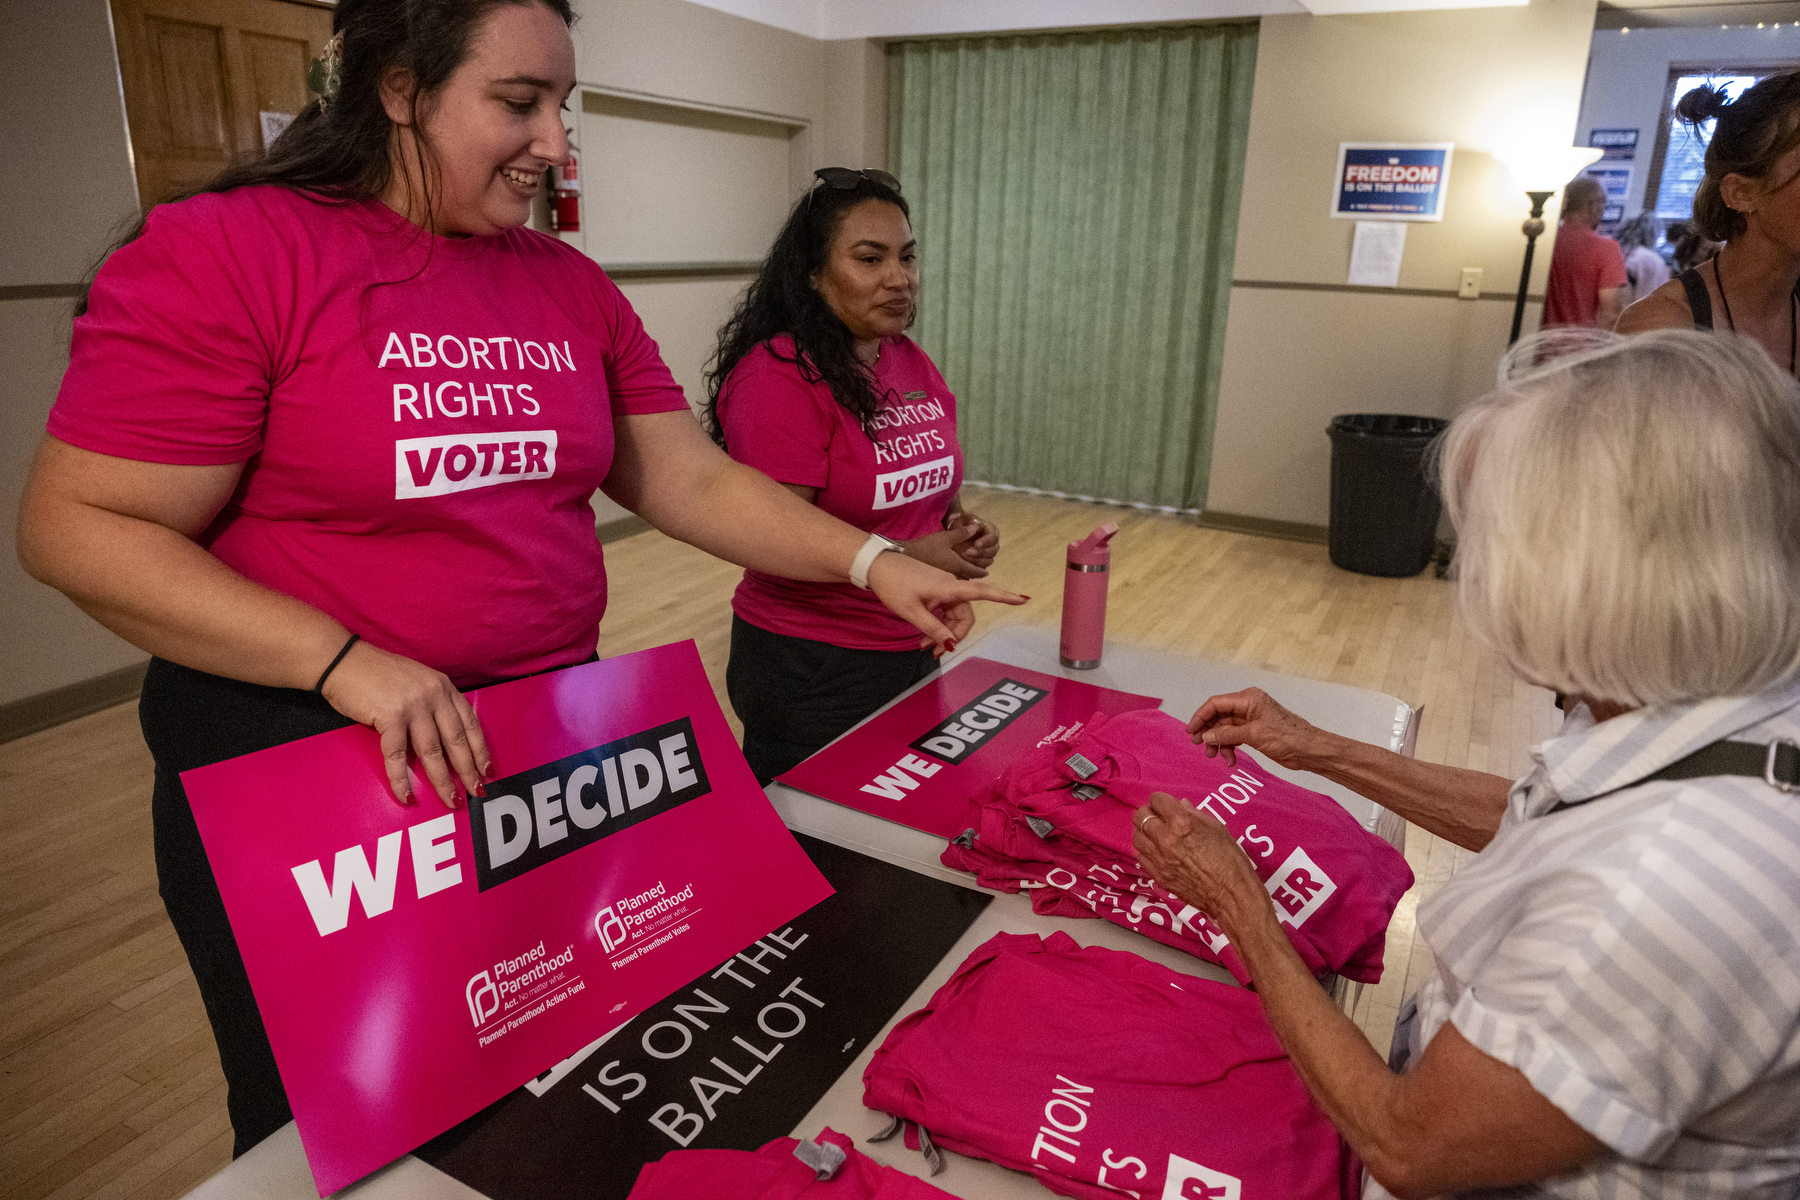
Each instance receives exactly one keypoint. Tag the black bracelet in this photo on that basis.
(319, 687)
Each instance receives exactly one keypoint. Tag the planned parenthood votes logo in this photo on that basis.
(633, 926)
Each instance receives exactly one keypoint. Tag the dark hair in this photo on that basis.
(782, 299)
(1689, 247)
(1582, 191)
(1752, 132)
(1637, 231)
(338, 150)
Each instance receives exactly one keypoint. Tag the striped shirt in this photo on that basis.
(1638, 957)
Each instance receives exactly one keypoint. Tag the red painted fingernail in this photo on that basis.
(481, 790)
(406, 798)
(950, 645)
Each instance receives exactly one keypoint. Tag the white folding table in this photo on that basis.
(277, 1170)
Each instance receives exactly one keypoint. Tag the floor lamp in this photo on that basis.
(1542, 171)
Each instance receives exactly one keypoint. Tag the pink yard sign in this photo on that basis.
(415, 965)
(918, 762)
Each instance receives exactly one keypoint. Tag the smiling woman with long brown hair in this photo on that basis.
(329, 433)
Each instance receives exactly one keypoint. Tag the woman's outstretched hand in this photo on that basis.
(418, 713)
(940, 605)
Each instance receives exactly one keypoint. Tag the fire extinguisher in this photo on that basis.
(565, 197)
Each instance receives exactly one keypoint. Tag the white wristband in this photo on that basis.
(865, 558)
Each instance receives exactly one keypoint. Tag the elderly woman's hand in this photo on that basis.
(1194, 856)
(1252, 718)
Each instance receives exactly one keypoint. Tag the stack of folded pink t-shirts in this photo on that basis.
(1058, 825)
(1103, 1073)
(830, 1168)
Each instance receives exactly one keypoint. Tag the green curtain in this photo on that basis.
(1075, 200)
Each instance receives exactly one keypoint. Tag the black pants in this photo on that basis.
(794, 695)
(191, 719)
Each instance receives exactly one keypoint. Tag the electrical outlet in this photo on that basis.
(1469, 286)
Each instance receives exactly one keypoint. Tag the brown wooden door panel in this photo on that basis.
(199, 74)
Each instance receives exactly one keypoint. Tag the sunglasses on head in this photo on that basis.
(844, 178)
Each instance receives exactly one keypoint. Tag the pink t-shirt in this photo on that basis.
(1334, 884)
(898, 485)
(1582, 265)
(1104, 1074)
(774, 1172)
(422, 420)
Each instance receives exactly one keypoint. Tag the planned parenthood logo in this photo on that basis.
(483, 998)
(641, 923)
(610, 928)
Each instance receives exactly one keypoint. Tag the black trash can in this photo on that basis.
(1384, 514)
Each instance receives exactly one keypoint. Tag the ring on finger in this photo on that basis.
(1148, 817)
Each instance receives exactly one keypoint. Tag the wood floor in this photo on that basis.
(109, 1084)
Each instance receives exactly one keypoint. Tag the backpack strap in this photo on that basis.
(1699, 300)
(1776, 763)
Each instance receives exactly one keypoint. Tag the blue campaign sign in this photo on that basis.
(1392, 181)
(1617, 145)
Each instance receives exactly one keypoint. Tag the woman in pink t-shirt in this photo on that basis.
(816, 385)
(329, 434)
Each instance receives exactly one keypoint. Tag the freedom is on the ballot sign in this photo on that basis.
(918, 762)
(1392, 181)
(413, 965)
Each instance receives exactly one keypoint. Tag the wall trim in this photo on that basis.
(678, 102)
(1291, 531)
(40, 291)
(1286, 285)
(37, 713)
(679, 270)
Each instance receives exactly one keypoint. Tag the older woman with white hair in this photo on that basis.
(1615, 1005)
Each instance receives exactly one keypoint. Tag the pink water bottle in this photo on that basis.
(1084, 599)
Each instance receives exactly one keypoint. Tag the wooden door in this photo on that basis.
(204, 80)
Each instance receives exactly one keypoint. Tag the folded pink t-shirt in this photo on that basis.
(1101, 1072)
(775, 1173)
(898, 484)
(1334, 884)
(421, 420)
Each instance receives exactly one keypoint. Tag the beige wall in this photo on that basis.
(833, 95)
(69, 185)
(1297, 355)
(66, 187)
(1293, 357)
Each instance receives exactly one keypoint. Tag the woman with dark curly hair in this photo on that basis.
(816, 384)
(1750, 201)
